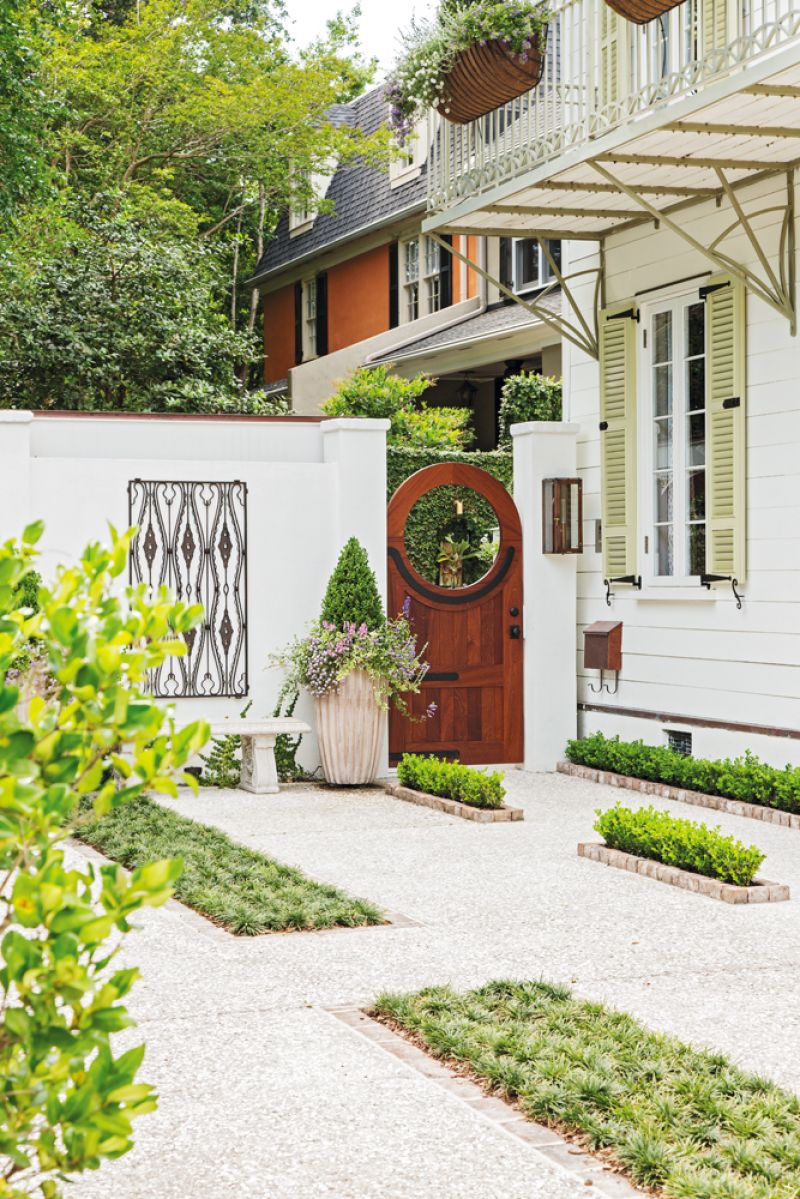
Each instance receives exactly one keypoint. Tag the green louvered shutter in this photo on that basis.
(714, 16)
(726, 477)
(613, 57)
(618, 438)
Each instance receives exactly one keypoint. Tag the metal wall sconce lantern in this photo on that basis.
(562, 516)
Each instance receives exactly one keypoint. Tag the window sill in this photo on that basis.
(666, 595)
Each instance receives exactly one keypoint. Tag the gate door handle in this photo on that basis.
(515, 632)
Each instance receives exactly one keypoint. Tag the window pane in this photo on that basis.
(696, 383)
(663, 443)
(662, 384)
(696, 330)
(662, 337)
(412, 260)
(697, 549)
(526, 263)
(432, 257)
(664, 550)
(696, 449)
(663, 498)
(696, 494)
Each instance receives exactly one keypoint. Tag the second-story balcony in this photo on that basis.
(628, 121)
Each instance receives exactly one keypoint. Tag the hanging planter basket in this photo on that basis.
(640, 12)
(486, 77)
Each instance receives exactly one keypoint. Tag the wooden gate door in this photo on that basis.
(474, 634)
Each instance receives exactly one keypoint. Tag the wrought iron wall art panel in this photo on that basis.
(192, 538)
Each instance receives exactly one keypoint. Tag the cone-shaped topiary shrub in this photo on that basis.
(352, 596)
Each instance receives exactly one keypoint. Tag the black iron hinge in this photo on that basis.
(709, 287)
(630, 314)
(731, 402)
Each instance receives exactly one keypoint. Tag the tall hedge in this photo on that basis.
(433, 516)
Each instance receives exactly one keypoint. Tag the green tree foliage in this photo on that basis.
(200, 124)
(66, 1099)
(352, 596)
(378, 393)
(145, 331)
(528, 396)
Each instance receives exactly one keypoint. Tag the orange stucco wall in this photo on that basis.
(358, 298)
(472, 278)
(278, 334)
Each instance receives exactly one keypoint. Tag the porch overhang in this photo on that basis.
(739, 130)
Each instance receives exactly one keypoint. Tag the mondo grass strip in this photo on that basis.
(240, 889)
(686, 1123)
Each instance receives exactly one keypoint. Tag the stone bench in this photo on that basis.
(259, 772)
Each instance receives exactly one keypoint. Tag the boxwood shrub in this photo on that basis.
(648, 833)
(744, 778)
(451, 780)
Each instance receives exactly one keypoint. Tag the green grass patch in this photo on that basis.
(687, 844)
(746, 778)
(685, 1122)
(242, 890)
(434, 776)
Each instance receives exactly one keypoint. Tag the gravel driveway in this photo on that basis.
(265, 1094)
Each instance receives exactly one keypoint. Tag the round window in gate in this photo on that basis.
(452, 536)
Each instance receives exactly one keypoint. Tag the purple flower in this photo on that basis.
(406, 607)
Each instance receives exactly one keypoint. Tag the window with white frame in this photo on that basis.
(674, 437)
(411, 279)
(433, 275)
(310, 323)
(530, 267)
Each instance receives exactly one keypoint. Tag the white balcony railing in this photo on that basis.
(601, 72)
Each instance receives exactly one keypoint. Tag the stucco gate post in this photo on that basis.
(357, 449)
(546, 450)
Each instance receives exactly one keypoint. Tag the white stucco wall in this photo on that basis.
(699, 656)
(311, 486)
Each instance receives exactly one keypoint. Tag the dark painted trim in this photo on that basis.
(700, 722)
(458, 597)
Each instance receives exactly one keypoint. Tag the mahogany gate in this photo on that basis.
(474, 634)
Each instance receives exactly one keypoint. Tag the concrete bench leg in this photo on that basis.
(259, 772)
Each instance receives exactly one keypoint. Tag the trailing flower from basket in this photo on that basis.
(472, 57)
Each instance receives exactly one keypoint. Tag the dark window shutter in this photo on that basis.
(394, 285)
(505, 262)
(298, 323)
(322, 314)
(446, 273)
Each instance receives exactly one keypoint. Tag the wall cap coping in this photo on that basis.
(547, 427)
(16, 417)
(355, 424)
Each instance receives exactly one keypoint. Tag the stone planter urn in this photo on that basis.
(350, 726)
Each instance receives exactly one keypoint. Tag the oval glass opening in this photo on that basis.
(452, 536)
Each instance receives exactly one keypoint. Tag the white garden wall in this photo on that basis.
(311, 486)
(697, 655)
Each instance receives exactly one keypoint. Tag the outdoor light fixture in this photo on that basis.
(562, 516)
(466, 393)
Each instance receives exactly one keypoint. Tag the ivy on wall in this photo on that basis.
(433, 517)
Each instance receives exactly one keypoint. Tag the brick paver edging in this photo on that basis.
(506, 1119)
(762, 891)
(720, 803)
(454, 807)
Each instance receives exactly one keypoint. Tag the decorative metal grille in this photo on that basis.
(192, 538)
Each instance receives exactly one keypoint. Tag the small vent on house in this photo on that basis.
(680, 742)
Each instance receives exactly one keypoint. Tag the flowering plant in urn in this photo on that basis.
(354, 662)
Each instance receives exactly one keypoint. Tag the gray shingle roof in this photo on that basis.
(500, 318)
(362, 195)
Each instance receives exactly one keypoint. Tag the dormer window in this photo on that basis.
(408, 160)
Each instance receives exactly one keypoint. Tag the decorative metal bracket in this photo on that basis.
(707, 580)
(604, 686)
(777, 284)
(579, 332)
(628, 580)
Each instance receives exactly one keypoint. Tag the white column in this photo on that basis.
(357, 448)
(546, 450)
(15, 454)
